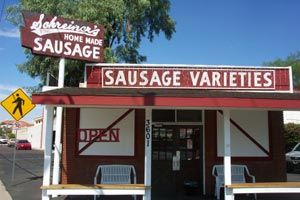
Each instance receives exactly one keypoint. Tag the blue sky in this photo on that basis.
(232, 32)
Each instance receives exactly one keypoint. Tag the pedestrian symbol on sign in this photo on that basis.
(18, 104)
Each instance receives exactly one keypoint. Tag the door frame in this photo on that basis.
(203, 139)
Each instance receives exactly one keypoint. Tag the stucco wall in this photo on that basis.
(254, 123)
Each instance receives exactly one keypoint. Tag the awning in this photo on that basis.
(167, 98)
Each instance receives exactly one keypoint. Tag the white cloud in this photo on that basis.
(6, 90)
(12, 33)
(2, 96)
(9, 88)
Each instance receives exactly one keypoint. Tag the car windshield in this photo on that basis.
(22, 141)
(297, 148)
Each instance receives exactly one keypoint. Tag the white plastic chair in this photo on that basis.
(237, 176)
(115, 174)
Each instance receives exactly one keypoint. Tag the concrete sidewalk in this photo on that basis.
(3, 193)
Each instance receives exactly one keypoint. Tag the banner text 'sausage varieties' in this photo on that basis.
(188, 78)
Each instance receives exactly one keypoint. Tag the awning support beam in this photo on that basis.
(59, 113)
(47, 132)
(148, 152)
(227, 155)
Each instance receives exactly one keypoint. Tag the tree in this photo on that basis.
(292, 60)
(1, 133)
(126, 23)
(291, 135)
(11, 135)
(4, 131)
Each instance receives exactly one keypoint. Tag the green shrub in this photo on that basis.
(292, 135)
(11, 135)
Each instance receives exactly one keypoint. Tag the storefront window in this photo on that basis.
(189, 115)
(161, 115)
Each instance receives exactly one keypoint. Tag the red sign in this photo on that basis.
(59, 37)
(220, 78)
(188, 78)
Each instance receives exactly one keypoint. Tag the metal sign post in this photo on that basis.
(14, 155)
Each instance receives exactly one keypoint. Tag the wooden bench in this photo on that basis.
(108, 180)
(266, 187)
(98, 189)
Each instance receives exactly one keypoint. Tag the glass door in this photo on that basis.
(184, 142)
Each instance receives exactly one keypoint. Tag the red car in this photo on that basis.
(23, 144)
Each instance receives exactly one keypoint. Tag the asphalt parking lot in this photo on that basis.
(29, 173)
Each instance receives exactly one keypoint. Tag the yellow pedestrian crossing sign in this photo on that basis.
(18, 104)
